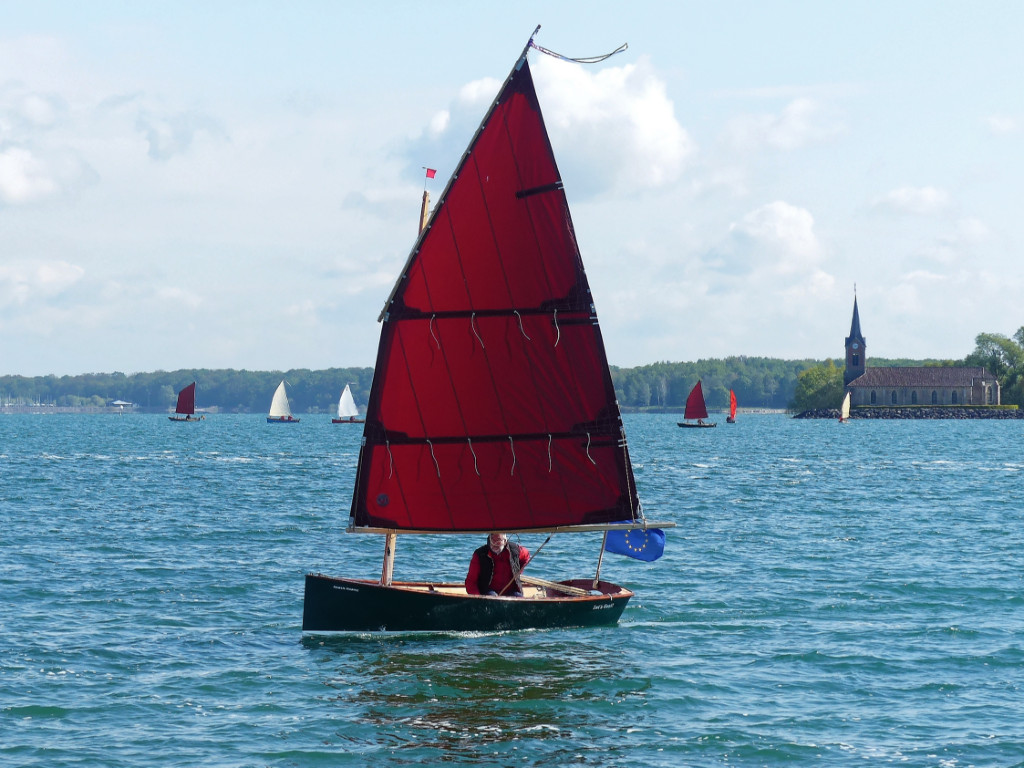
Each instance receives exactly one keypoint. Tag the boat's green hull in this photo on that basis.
(354, 605)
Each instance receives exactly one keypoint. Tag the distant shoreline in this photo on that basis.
(919, 412)
(44, 410)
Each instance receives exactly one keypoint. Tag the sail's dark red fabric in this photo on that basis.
(695, 407)
(492, 406)
(187, 399)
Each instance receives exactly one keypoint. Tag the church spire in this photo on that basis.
(856, 353)
(855, 325)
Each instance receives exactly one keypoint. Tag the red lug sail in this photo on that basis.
(187, 400)
(492, 406)
(695, 407)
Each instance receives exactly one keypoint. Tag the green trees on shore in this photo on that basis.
(1004, 359)
(226, 390)
(759, 382)
(819, 387)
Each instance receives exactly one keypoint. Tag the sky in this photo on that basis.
(237, 184)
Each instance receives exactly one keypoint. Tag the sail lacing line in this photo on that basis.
(585, 59)
(472, 324)
(476, 466)
(558, 331)
(630, 483)
(391, 460)
(521, 329)
(549, 452)
(512, 446)
(588, 451)
(430, 325)
(436, 465)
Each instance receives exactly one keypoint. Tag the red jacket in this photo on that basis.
(500, 566)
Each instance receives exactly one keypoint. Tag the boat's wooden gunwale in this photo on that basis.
(530, 592)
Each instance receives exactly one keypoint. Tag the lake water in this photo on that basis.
(833, 595)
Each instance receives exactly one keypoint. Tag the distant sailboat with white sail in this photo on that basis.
(280, 408)
(347, 411)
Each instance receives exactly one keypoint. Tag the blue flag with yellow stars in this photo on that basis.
(638, 543)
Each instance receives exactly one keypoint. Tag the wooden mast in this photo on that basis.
(424, 211)
(390, 538)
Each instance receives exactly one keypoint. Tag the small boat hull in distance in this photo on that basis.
(357, 605)
(694, 425)
(282, 420)
(348, 421)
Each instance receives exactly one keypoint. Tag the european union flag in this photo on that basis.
(638, 543)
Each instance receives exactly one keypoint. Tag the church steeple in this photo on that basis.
(856, 348)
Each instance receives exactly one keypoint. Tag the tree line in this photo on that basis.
(224, 390)
(759, 382)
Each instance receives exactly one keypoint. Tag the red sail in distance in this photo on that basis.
(695, 408)
(492, 406)
(187, 400)
(732, 404)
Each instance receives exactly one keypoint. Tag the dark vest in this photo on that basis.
(487, 566)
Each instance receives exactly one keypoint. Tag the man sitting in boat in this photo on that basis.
(495, 567)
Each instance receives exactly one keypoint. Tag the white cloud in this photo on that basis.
(802, 122)
(39, 110)
(22, 283)
(23, 177)
(170, 135)
(479, 92)
(439, 122)
(1002, 124)
(179, 296)
(612, 128)
(914, 200)
(781, 232)
(616, 127)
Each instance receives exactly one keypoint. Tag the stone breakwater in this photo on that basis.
(932, 412)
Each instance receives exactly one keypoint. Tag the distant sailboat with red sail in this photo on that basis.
(696, 410)
(185, 410)
(492, 406)
(731, 418)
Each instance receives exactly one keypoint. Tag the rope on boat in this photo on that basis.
(472, 324)
(521, 329)
(549, 453)
(391, 460)
(430, 325)
(476, 466)
(436, 465)
(588, 450)
(558, 331)
(517, 571)
(512, 446)
(583, 60)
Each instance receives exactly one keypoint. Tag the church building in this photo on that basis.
(928, 385)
